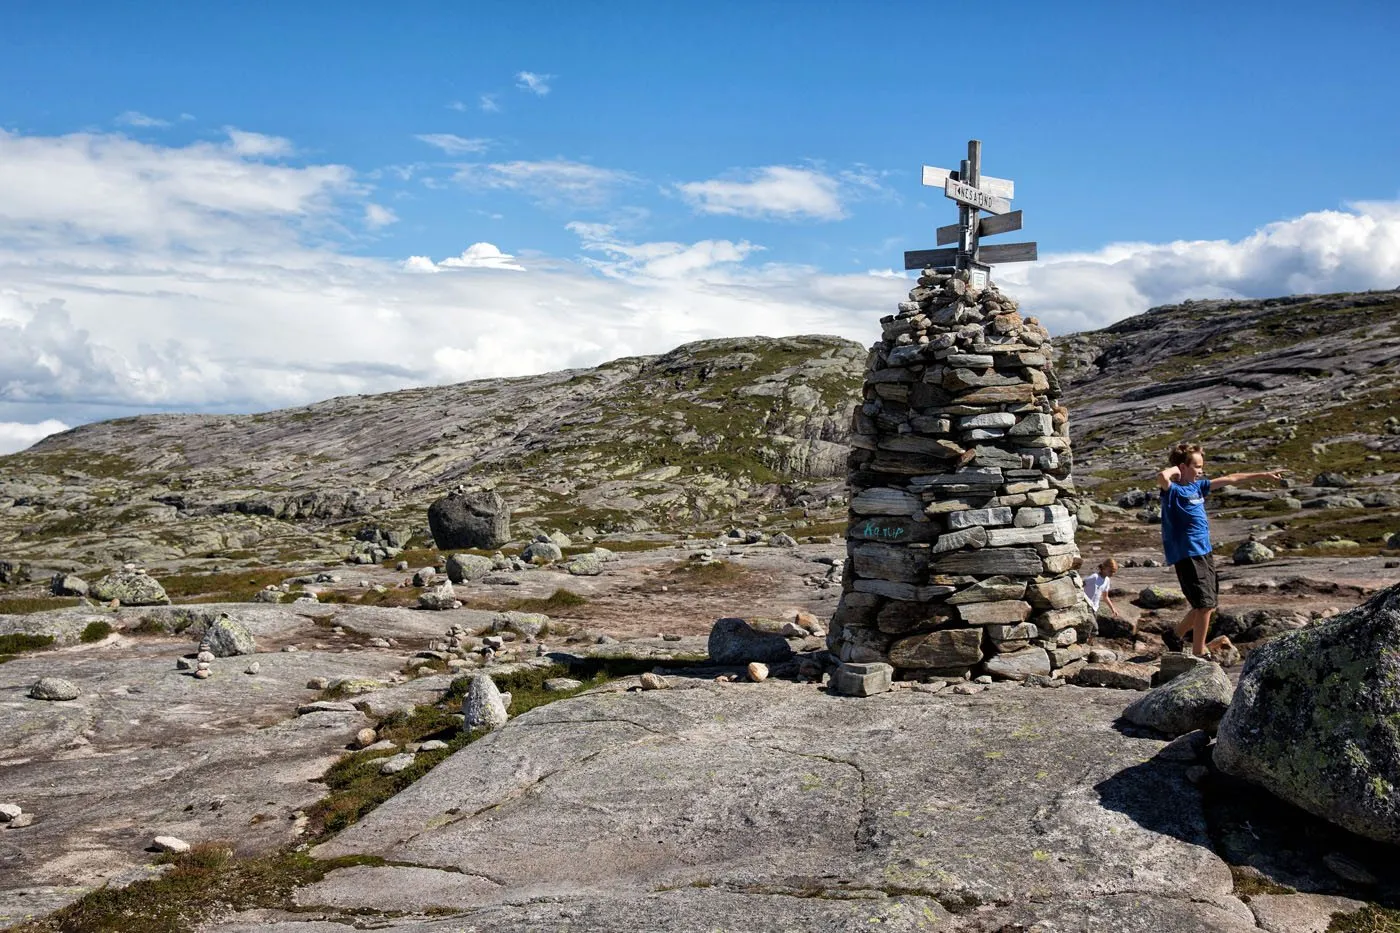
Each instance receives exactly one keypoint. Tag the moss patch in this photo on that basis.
(95, 631)
(24, 605)
(1369, 919)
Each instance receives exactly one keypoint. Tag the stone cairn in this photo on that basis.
(961, 542)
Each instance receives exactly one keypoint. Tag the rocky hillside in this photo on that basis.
(708, 430)
(712, 433)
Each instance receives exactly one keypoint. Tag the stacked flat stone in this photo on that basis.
(203, 660)
(961, 541)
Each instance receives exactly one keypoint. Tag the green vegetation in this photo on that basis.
(95, 631)
(557, 601)
(205, 881)
(228, 587)
(1369, 919)
(13, 645)
(24, 605)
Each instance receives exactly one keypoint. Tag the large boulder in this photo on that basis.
(483, 706)
(468, 568)
(585, 565)
(67, 584)
(54, 688)
(542, 552)
(1316, 719)
(1195, 700)
(477, 519)
(131, 588)
(734, 641)
(1160, 597)
(227, 638)
(1252, 552)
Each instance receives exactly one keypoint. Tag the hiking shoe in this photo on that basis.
(1173, 641)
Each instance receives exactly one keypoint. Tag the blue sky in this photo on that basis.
(199, 201)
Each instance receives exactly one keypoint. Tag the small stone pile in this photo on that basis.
(961, 541)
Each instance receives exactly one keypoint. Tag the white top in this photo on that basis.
(1095, 586)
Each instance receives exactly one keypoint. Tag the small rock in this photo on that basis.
(396, 763)
(54, 688)
(203, 673)
(862, 680)
(1252, 552)
(8, 812)
(432, 745)
(205, 657)
(170, 844)
(317, 683)
(254, 668)
(1102, 655)
(967, 690)
(793, 630)
(483, 705)
(652, 681)
(366, 737)
(184, 664)
(758, 673)
(1160, 597)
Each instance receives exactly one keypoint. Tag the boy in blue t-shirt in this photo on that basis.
(1186, 539)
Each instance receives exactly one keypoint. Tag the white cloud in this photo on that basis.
(137, 277)
(453, 144)
(476, 256)
(458, 106)
(136, 118)
(534, 83)
(257, 145)
(376, 215)
(92, 187)
(775, 192)
(489, 103)
(658, 260)
(551, 181)
(16, 435)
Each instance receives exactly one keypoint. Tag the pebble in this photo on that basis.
(366, 737)
(290, 648)
(170, 844)
(254, 668)
(396, 763)
(652, 681)
(984, 679)
(184, 664)
(758, 672)
(203, 673)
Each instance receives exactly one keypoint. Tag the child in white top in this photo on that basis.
(1096, 585)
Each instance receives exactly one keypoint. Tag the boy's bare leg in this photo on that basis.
(1185, 627)
(1202, 630)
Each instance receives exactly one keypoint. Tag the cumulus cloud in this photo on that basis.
(476, 256)
(88, 187)
(16, 435)
(548, 182)
(137, 278)
(775, 192)
(453, 144)
(537, 84)
(136, 118)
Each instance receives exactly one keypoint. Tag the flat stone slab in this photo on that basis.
(784, 807)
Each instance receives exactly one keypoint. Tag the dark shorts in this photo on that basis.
(1197, 578)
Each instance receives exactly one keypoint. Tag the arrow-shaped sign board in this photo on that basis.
(940, 258)
(1001, 187)
(975, 197)
(986, 226)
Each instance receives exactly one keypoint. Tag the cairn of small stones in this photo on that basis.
(961, 543)
(203, 660)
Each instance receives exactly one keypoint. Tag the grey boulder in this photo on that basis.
(483, 706)
(54, 688)
(1160, 597)
(130, 588)
(478, 519)
(585, 565)
(542, 551)
(1314, 719)
(227, 638)
(734, 641)
(468, 568)
(1193, 701)
(1252, 552)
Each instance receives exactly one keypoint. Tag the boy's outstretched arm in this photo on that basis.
(1229, 478)
(1165, 478)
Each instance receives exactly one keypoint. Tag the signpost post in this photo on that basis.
(974, 193)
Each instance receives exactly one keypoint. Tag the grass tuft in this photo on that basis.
(95, 631)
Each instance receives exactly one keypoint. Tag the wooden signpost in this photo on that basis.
(974, 193)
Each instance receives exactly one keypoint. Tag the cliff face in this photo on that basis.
(711, 433)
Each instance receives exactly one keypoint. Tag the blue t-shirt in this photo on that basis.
(1185, 528)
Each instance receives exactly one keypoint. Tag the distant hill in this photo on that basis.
(713, 433)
